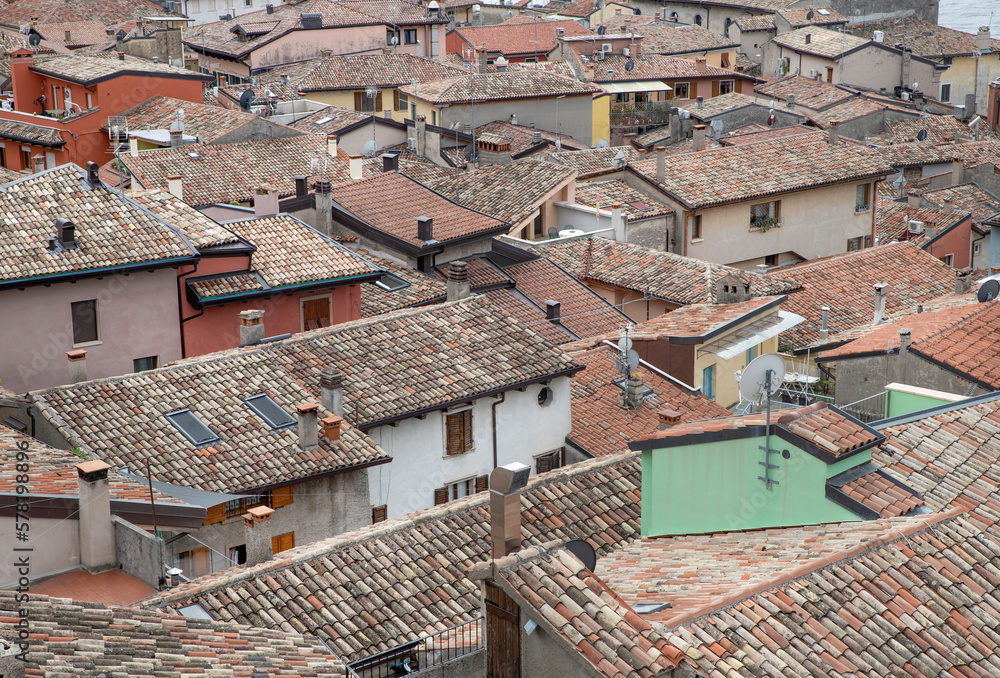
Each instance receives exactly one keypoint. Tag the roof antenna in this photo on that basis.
(762, 377)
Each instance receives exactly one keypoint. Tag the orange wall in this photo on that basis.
(958, 242)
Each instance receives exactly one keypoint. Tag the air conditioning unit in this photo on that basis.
(813, 72)
(915, 227)
(600, 56)
(606, 47)
(878, 36)
(411, 143)
(626, 52)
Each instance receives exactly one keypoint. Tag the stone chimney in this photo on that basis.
(983, 39)
(790, 101)
(699, 137)
(331, 389)
(390, 162)
(176, 138)
(97, 531)
(481, 66)
(668, 418)
(833, 133)
(963, 280)
(421, 124)
(331, 145)
(536, 137)
(457, 284)
(251, 327)
(425, 229)
(824, 330)
(265, 201)
(699, 102)
(38, 163)
(257, 535)
(881, 291)
(904, 340)
(914, 197)
(618, 222)
(553, 310)
(175, 186)
(77, 365)
(506, 483)
(947, 207)
(308, 425)
(957, 172)
(324, 206)
(331, 427)
(355, 165)
(632, 397)
(661, 163)
(701, 64)
(675, 125)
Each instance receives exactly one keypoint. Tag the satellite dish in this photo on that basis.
(629, 65)
(988, 291)
(921, 135)
(618, 162)
(394, 41)
(601, 30)
(809, 15)
(369, 148)
(602, 143)
(584, 551)
(624, 344)
(246, 99)
(753, 381)
(632, 358)
(717, 127)
(899, 183)
(34, 39)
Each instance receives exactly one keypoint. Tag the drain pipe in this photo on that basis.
(503, 397)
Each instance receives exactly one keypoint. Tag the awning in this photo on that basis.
(189, 495)
(637, 86)
(750, 335)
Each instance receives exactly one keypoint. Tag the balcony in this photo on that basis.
(648, 113)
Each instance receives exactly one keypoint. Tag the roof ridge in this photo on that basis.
(983, 308)
(887, 538)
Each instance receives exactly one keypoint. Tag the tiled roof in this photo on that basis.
(509, 191)
(882, 494)
(850, 109)
(808, 92)
(635, 205)
(602, 427)
(825, 427)
(11, 39)
(699, 320)
(196, 227)
(122, 421)
(723, 103)
(509, 85)
(108, 12)
(761, 22)
(924, 38)
(733, 174)
(392, 202)
(940, 129)
(87, 69)
(656, 67)
(330, 120)
(221, 173)
(967, 198)
(914, 154)
(550, 584)
(752, 5)
(749, 135)
(663, 274)
(205, 122)
(658, 38)
(72, 638)
(822, 41)
(359, 592)
(647, 139)
(110, 231)
(225, 285)
(579, 8)
(274, 81)
(593, 161)
(422, 289)
(694, 572)
(483, 273)
(844, 284)
(24, 131)
(358, 71)
(81, 33)
(291, 253)
(522, 138)
(536, 37)
(513, 303)
(891, 219)
(798, 18)
(582, 311)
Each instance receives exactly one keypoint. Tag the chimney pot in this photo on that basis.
(77, 365)
(618, 222)
(331, 427)
(356, 166)
(881, 290)
(914, 197)
(331, 386)
(265, 201)
(536, 137)
(668, 418)
(904, 340)
(93, 173)
(552, 310)
(633, 391)
(251, 327)
(66, 232)
(824, 331)
(257, 537)
(331, 145)
(175, 186)
(790, 101)
(699, 102)
(425, 229)
(121, 56)
(308, 425)
(390, 162)
(457, 281)
(963, 280)
(833, 133)
(323, 187)
(702, 64)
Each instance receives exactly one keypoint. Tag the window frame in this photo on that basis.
(467, 434)
(155, 361)
(199, 444)
(695, 227)
(708, 373)
(96, 322)
(407, 34)
(251, 403)
(687, 90)
(867, 206)
(948, 98)
(237, 507)
(774, 214)
(727, 86)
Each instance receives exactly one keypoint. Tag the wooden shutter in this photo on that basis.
(715, 88)
(441, 496)
(282, 542)
(543, 464)
(216, 514)
(201, 561)
(467, 430)
(281, 496)
(503, 634)
(482, 483)
(395, 99)
(379, 513)
(693, 90)
(455, 433)
(378, 101)
(358, 100)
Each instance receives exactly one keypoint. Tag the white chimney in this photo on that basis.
(97, 531)
(77, 366)
(355, 166)
(308, 425)
(833, 133)
(331, 388)
(251, 327)
(331, 145)
(265, 201)
(881, 290)
(133, 146)
(175, 186)
(618, 222)
(824, 331)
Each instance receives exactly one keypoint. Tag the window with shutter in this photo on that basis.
(482, 483)
(379, 513)
(216, 514)
(459, 432)
(282, 496)
(359, 101)
(395, 100)
(543, 464)
(378, 101)
(283, 542)
(715, 88)
(441, 496)
(467, 430)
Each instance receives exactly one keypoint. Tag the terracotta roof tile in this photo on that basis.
(750, 135)
(822, 41)
(522, 138)
(698, 320)
(878, 492)
(593, 161)
(798, 18)
(422, 289)
(967, 198)
(924, 38)
(892, 219)
(509, 85)
(635, 205)
(940, 129)
(509, 39)
(511, 302)
(23, 131)
(89, 68)
(330, 120)
(483, 273)
(656, 67)
(208, 123)
(760, 22)
(358, 71)
(108, 12)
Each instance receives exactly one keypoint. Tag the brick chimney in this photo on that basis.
(251, 327)
(331, 427)
(702, 64)
(331, 389)
(258, 535)
(661, 163)
(833, 133)
(308, 425)
(457, 283)
(481, 66)
(904, 340)
(355, 166)
(506, 483)
(97, 531)
(265, 201)
(963, 280)
(175, 186)
(668, 418)
(881, 290)
(331, 145)
(77, 365)
(632, 397)
(553, 310)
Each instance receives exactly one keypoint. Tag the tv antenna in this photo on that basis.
(988, 291)
(762, 377)
(628, 360)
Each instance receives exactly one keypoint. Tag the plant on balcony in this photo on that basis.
(765, 224)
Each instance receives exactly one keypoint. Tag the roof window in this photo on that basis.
(192, 428)
(271, 412)
(391, 282)
(650, 608)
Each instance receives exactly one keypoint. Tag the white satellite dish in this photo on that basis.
(369, 148)
(624, 344)
(602, 143)
(762, 377)
(618, 162)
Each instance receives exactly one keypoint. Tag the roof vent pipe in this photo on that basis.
(904, 340)
(77, 365)
(66, 232)
(824, 331)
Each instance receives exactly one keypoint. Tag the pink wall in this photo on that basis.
(137, 318)
(957, 242)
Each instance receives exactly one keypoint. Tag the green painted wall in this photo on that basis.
(713, 487)
(900, 403)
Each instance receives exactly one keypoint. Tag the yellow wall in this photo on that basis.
(601, 119)
(715, 58)
(726, 391)
(962, 76)
(345, 99)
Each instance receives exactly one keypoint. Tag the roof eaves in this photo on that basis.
(729, 324)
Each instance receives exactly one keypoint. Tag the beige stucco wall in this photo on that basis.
(726, 389)
(962, 75)
(345, 99)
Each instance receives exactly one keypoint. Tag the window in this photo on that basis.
(434, 117)
(751, 354)
(946, 92)
(238, 507)
(390, 282)
(90, 100)
(458, 432)
(410, 36)
(392, 37)
(238, 553)
(3, 157)
(622, 98)
(829, 74)
(727, 86)
(725, 62)
(25, 158)
(544, 396)
(457, 490)
(948, 259)
(550, 460)
(863, 202)
(84, 322)
(315, 312)
(143, 364)
(192, 428)
(765, 215)
(682, 90)
(283, 542)
(976, 248)
(402, 101)
(697, 20)
(708, 381)
(725, 28)
(771, 260)
(674, 16)
(695, 225)
(195, 562)
(248, 3)
(270, 411)
(859, 243)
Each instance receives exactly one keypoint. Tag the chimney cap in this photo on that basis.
(258, 514)
(95, 469)
(509, 478)
(881, 287)
(78, 354)
(331, 377)
(250, 315)
(307, 408)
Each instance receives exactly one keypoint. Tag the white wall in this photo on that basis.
(417, 446)
(56, 545)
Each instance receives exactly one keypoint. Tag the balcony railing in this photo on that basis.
(649, 113)
(430, 651)
(872, 408)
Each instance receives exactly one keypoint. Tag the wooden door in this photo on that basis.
(503, 635)
(315, 313)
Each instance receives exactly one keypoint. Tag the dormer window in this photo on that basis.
(391, 283)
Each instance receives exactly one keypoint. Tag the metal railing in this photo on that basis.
(648, 113)
(872, 408)
(433, 650)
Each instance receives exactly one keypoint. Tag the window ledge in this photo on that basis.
(460, 454)
(695, 241)
(85, 344)
(865, 210)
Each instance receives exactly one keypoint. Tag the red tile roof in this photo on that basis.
(635, 205)
(514, 304)
(510, 85)
(924, 38)
(422, 288)
(112, 587)
(878, 492)
(516, 39)
(357, 71)
(665, 38)
(967, 198)
(698, 320)
(892, 220)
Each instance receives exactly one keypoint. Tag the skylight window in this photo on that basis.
(641, 206)
(647, 392)
(650, 608)
(824, 12)
(192, 428)
(195, 612)
(323, 121)
(391, 282)
(270, 411)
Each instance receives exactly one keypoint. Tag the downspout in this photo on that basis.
(31, 415)
(180, 307)
(503, 397)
